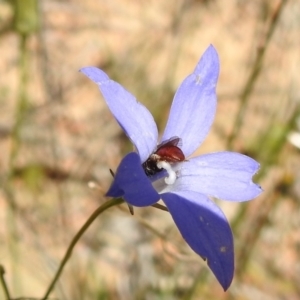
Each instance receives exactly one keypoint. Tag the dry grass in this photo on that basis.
(56, 135)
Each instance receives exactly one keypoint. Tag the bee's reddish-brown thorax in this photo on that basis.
(170, 153)
(167, 151)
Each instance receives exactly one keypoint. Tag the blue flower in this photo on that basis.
(166, 171)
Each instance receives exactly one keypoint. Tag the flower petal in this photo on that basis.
(206, 230)
(134, 118)
(194, 105)
(224, 175)
(131, 183)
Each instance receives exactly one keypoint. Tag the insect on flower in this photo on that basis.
(168, 151)
(167, 171)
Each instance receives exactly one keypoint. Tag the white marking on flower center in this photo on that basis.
(172, 174)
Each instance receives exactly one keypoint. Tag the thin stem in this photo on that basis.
(15, 148)
(251, 236)
(3, 283)
(159, 206)
(76, 238)
(253, 76)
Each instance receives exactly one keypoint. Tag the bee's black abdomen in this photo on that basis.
(150, 167)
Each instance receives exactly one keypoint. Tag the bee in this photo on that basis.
(168, 151)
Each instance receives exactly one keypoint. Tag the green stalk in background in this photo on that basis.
(24, 24)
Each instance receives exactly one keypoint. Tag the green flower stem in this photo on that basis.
(3, 283)
(96, 213)
(253, 76)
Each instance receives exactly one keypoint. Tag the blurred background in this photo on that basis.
(57, 135)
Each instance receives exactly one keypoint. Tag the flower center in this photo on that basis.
(172, 174)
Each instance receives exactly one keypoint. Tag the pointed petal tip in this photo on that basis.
(211, 49)
(132, 116)
(94, 74)
(209, 61)
(211, 57)
(194, 104)
(224, 281)
(256, 167)
(257, 190)
(224, 278)
(226, 286)
(258, 187)
(206, 229)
